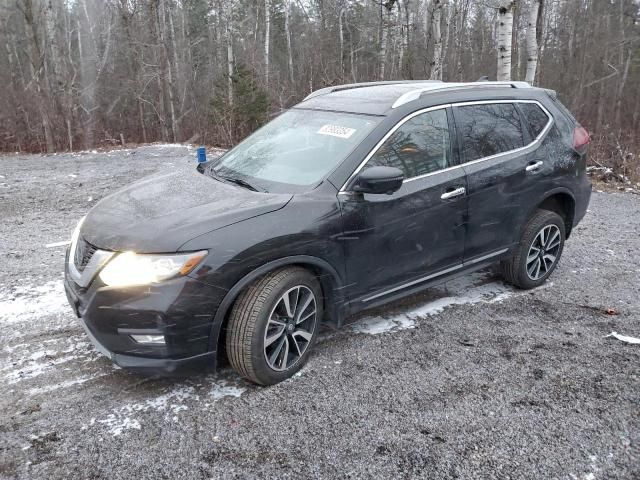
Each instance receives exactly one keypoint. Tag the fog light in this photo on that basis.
(149, 339)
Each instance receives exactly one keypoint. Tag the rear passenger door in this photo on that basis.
(501, 176)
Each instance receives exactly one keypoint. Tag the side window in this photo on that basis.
(420, 146)
(488, 129)
(535, 117)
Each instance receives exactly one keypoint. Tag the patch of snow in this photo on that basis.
(33, 364)
(594, 467)
(170, 403)
(222, 390)
(63, 243)
(624, 338)
(121, 419)
(27, 302)
(65, 384)
(116, 424)
(470, 289)
(377, 325)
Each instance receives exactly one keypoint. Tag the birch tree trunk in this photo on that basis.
(505, 33)
(383, 47)
(351, 52)
(436, 63)
(532, 41)
(267, 33)
(230, 58)
(447, 14)
(341, 39)
(453, 72)
(287, 31)
(404, 31)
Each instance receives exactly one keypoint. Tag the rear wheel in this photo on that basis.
(273, 325)
(539, 251)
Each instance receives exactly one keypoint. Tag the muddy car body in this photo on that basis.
(431, 180)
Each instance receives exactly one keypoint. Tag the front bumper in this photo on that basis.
(182, 310)
(153, 366)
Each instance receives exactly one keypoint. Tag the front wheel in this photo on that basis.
(273, 325)
(539, 251)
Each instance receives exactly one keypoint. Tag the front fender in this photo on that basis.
(331, 282)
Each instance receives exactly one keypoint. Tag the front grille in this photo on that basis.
(84, 252)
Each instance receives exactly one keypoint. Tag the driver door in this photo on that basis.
(393, 241)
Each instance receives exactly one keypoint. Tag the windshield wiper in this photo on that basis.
(239, 181)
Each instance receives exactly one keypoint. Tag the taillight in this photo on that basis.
(581, 137)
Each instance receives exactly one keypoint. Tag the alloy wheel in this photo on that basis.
(290, 328)
(543, 252)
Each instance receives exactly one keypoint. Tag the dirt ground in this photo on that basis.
(468, 380)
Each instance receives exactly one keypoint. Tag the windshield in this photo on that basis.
(298, 148)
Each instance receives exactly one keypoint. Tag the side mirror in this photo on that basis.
(379, 180)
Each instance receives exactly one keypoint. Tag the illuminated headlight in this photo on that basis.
(129, 268)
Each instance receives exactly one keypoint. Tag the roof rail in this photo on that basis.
(415, 94)
(349, 86)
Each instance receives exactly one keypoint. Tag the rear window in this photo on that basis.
(563, 109)
(488, 129)
(535, 118)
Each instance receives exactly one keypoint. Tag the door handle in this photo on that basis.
(534, 167)
(453, 193)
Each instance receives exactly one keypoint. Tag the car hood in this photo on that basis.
(160, 213)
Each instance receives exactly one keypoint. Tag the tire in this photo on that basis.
(255, 327)
(524, 270)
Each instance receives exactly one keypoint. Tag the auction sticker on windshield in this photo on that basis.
(337, 131)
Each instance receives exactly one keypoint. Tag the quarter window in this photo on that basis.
(488, 129)
(421, 145)
(535, 117)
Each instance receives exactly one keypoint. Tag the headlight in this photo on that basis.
(129, 268)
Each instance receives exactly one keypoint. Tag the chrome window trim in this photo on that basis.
(436, 274)
(386, 136)
(531, 144)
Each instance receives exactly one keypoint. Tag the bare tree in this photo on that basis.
(38, 78)
(287, 30)
(267, 39)
(436, 20)
(532, 40)
(505, 34)
(384, 40)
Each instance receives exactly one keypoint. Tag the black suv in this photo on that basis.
(357, 196)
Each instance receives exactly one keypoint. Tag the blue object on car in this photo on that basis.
(202, 154)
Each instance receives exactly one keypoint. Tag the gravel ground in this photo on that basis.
(468, 380)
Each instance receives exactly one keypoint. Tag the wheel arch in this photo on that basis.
(330, 280)
(560, 201)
